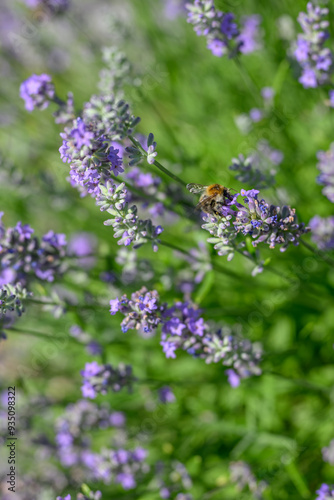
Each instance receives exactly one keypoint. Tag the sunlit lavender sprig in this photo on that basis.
(125, 221)
(184, 328)
(221, 30)
(322, 232)
(256, 218)
(326, 176)
(23, 256)
(315, 59)
(100, 379)
(12, 298)
(325, 492)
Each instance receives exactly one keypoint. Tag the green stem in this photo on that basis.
(317, 252)
(156, 163)
(216, 267)
(68, 306)
(302, 383)
(248, 81)
(172, 208)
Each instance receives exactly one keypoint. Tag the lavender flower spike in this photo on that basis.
(221, 31)
(37, 91)
(98, 379)
(125, 221)
(314, 58)
(325, 492)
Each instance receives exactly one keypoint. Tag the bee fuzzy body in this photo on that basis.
(212, 198)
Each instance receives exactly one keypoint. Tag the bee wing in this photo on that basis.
(196, 188)
(204, 201)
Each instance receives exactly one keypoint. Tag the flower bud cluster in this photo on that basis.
(125, 221)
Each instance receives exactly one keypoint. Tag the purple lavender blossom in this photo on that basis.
(83, 245)
(37, 91)
(184, 328)
(325, 492)
(117, 464)
(221, 30)
(141, 311)
(263, 222)
(267, 93)
(330, 103)
(174, 8)
(23, 255)
(55, 6)
(233, 378)
(99, 379)
(326, 176)
(256, 115)
(249, 37)
(314, 58)
(166, 395)
(322, 232)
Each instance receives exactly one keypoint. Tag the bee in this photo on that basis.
(212, 198)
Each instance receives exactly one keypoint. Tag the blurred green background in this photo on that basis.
(190, 100)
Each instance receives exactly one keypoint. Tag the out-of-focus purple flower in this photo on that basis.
(99, 379)
(117, 419)
(233, 378)
(83, 245)
(322, 232)
(256, 115)
(221, 30)
(37, 91)
(249, 37)
(267, 93)
(55, 6)
(184, 328)
(23, 255)
(75, 447)
(166, 395)
(174, 8)
(314, 58)
(330, 103)
(325, 492)
(326, 176)
(217, 47)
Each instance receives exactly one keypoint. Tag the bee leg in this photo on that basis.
(213, 207)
